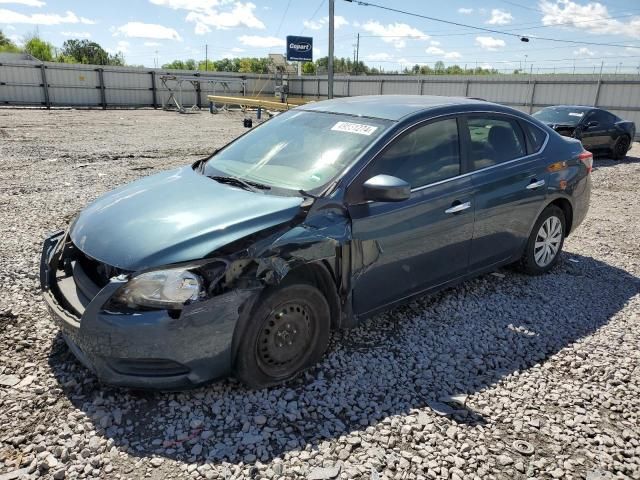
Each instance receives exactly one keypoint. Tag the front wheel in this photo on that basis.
(287, 332)
(545, 242)
(620, 148)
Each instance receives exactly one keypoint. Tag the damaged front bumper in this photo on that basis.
(139, 349)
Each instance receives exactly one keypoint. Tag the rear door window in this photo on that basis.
(427, 154)
(494, 140)
(602, 117)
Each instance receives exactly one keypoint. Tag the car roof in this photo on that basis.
(388, 107)
(582, 107)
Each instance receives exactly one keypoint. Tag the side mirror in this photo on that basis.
(592, 123)
(386, 188)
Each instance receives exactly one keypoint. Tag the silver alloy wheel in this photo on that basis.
(548, 241)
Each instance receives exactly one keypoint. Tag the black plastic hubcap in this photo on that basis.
(285, 339)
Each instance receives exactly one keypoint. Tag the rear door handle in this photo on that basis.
(535, 184)
(458, 207)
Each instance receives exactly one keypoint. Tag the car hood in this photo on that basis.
(174, 216)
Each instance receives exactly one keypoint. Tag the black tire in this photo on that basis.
(529, 262)
(620, 147)
(288, 331)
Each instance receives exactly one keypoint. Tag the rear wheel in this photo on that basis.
(620, 148)
(288, 331)
(545, 242)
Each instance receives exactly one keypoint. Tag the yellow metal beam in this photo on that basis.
(249, 102)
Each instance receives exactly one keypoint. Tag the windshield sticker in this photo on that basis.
(358, 128)
(576, 114)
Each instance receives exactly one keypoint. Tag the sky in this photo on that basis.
(153, 32)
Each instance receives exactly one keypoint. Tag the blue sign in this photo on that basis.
(299, 49)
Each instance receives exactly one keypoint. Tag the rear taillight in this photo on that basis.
(586, 158)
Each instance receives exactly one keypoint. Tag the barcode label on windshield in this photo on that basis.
(358, 128)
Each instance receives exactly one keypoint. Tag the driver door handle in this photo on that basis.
(535, 184)
(458, 207)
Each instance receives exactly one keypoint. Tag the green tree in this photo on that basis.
(309, 68)
(39, 49)
(85, 51)
(189, 64)
(6, 45)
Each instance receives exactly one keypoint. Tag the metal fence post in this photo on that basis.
(45, 85)
(348, 87)
(154, 91)
(420, 87)
(317, 88)
(198, 94)
(381, 83)
(103, 96)
(533, 93)
(466, 88)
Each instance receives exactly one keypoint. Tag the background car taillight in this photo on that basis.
(586, 158)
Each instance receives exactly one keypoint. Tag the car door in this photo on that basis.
(421, 242)
(509, 186)
(596, 130)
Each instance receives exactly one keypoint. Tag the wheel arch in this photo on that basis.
(567, 208)
(318, 274)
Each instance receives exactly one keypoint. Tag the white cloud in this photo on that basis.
(208, 14)
(241, 15)
(434, 42)
(237, 50)
(395, 33)
(465, 11)
(9, 16)
(592, 17)
(584, 51)
(378, 56)
(499, 17)
(433, 50)
(76, 34)
(28, 3)
(191, 5)
(490, 43)
(312, 24)
(259, 41)
(123, 46)
(338, 21)
(152, 44)
(147, 30)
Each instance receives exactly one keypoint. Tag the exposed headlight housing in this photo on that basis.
(169, 289)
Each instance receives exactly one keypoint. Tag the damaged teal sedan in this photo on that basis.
(242, 263)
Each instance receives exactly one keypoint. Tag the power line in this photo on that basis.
(283, 17)
(313, 16)
(482, 29)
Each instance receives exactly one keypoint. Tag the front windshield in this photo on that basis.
(297, 149)
(561, 115)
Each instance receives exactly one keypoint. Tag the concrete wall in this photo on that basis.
(54, 84)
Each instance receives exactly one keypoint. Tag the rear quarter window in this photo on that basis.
(536, 136)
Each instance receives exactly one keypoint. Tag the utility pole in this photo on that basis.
(357, 52)
(206, 57)
(330, 59)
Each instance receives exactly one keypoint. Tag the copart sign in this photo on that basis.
(299, 49)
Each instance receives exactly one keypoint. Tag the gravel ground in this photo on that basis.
(505, 376)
